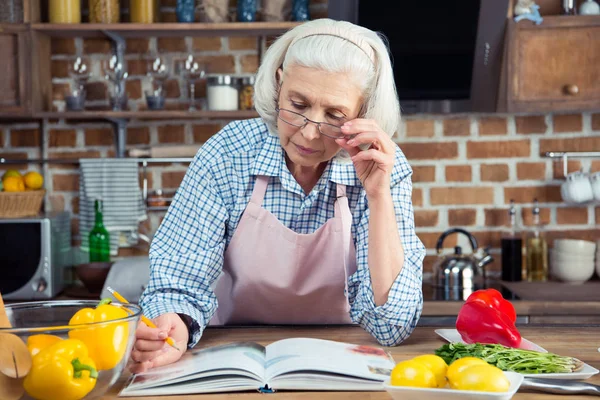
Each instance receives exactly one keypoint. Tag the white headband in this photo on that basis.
(342, 34)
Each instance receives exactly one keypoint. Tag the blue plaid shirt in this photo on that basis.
(186, 255)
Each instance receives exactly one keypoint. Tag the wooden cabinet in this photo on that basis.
(14, 71)
(554, 66)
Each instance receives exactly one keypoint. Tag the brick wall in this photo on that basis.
(466, 168)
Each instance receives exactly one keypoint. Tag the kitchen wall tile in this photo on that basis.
(243, 43)
(417, 197)
(596, 122)
(62, 46)
(462, 217)
(137, 46)
(62, 138)
(420, 128)
(492, 126)
(571, 215)
(461, 195)
(493, 172)
(430, 150)
(426, 218)
(527, 216)
(430, 239)
(567, 123)
(458, 173)
(586, 143)
(171, 134)
(423, 173)
(138, 135)
(133, 88)
(99, 137)
(25, 137)
(171, 45)
(595, 166)
(499, 149)
(206, 43)
(531, 124)
(496, 217)
(457, 127)
(531, 171)
(97, 46)
(203, 132)
(249, 63)
(65, 182)
(57, 202)
(557, 168)
(172, 179)
(526, 194)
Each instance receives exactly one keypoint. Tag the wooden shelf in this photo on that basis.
(147, 115)
(133, 30)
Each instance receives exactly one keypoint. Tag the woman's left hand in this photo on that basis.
(374, 165)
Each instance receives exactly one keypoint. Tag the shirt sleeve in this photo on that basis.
(394, 321)
(186, 254)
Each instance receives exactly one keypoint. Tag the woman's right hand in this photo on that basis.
(150, 349)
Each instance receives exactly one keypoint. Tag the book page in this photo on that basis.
(244, 359)
(316, 355)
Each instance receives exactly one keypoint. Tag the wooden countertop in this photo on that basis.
(581, 343)
(522, 307)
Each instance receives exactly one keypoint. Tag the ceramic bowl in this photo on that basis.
(580, 247)
(413, 393)
(571, 271)
(52, 318)
(93, 275)
(567, 257)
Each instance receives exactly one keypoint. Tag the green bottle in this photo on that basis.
(99, 237)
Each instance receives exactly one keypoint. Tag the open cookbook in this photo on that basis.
(289, 364)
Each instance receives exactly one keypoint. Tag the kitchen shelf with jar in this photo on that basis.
(137, 30)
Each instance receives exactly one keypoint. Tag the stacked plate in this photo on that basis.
(573, 260)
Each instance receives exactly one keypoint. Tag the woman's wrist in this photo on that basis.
(382, 197)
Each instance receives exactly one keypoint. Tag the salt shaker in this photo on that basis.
(569, 7)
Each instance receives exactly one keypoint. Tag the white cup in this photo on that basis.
(595, 182)
(577, 188)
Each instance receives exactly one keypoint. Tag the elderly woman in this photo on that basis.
(301, 216)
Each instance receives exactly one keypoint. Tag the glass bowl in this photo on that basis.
(44, 328)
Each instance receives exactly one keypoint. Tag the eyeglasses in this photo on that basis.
(300, 121)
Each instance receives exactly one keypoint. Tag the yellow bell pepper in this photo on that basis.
(61, 371)
(106, 343)
(36, 343)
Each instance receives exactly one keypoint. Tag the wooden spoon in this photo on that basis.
(4, 321)
(15, 359)
(11, 388)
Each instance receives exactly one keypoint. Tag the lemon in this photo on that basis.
(13, 184)
(484, 378)
(33, 180)
(437, 365)
(457, 366)
(412, 373)
(11, 172)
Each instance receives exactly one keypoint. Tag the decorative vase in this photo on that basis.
(246, 10)
(184, 10)
(300, 10)
(589, 7)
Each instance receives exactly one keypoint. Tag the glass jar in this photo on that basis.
(185, 10)
(64, 11)
(11, 11)
(246, 10)
(300, 10)
(143, 11)
(247, 93)
(104, 11)
(222, 92)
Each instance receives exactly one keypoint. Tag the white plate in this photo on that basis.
(412, 393)
(587, 371)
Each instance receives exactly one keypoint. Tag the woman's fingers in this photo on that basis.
(371, 155)
(141, 356)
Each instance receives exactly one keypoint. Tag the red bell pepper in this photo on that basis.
(479, 323)
(494, 299)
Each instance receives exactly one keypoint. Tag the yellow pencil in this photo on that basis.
(145, 319)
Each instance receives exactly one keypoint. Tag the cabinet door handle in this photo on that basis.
(571, 90)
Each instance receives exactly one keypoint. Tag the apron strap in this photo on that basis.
(342, 211)
(260, 188)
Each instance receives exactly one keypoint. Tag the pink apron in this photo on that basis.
(273, 275)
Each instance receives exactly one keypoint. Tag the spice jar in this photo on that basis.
(247, 93)
(143, 11)
(11, 11)
(64, 11)
(222, 92)
(104, 11)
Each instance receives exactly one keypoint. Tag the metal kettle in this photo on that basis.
(460, 271)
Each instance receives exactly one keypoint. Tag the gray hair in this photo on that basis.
(332, 53)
